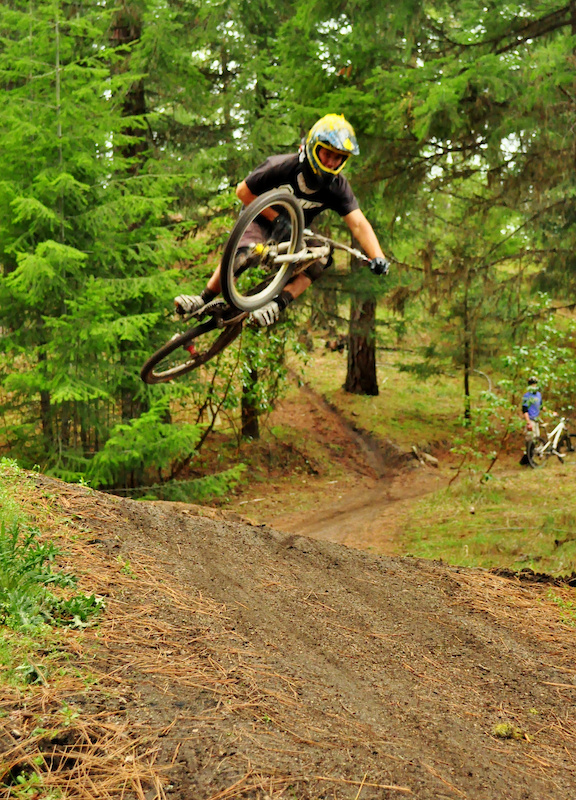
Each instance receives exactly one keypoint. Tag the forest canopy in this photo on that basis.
(125, 128)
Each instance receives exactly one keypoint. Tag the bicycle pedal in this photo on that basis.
(560, 455)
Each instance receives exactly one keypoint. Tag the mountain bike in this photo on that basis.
(252, 273)
(557, 443)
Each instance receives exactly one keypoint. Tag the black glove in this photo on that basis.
(281, 229)
(379, 266)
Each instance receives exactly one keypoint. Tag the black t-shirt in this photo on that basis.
(285, 172)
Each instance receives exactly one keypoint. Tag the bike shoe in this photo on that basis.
(189, 303)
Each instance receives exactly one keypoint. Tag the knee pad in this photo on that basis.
(315, 270)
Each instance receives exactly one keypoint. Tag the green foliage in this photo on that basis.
(125, 128)
(154, 439)
(27, 784)
(151, 439)
(27, 574)
(199, 490)
(83, 233)
(494, 419)
(567, 607)
(549, 353)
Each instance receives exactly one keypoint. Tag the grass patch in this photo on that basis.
(567, 607)
(32, 592)
(407, 410)
(514, 521)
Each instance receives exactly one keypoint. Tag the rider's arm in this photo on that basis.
(244, 194)
(364, 234)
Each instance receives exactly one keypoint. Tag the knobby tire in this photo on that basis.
(166, 364)
(535, 459)
(236, 286)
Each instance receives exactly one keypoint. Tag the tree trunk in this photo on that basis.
(46, 411)
(467, 351)
(250, 426)
(127, 29)
(361, 373)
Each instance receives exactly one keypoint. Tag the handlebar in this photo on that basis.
(338, 246)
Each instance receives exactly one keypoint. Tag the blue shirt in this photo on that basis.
(532, 403)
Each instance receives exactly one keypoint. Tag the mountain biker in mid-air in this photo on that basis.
(313, 176)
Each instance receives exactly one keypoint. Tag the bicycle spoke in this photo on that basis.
(253, 271)
(188, 351)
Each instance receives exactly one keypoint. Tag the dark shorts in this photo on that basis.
(258, 234)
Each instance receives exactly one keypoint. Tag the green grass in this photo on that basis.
(567, 608)
(520, 518)
(407, 409)
(33, 593)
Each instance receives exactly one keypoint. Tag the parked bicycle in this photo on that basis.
(250, 279)
(559, 442)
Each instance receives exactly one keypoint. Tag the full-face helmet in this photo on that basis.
(332, 132)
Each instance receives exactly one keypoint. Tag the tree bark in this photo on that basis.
(361, 373)
(467, 350)
(249, 412)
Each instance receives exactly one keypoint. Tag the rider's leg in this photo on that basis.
(254, 234)
(271, 311)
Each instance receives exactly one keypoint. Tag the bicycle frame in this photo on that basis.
(311, 253)
(553, 438)
(332, 245)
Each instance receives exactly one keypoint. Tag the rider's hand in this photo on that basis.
(379, 266)
(266, 315)
(530, 426)
(281, 229)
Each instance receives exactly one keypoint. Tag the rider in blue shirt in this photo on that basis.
(531, 407)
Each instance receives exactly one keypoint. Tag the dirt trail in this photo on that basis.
(366, 507)
(364, 517)
(255, 662)
(278, 666)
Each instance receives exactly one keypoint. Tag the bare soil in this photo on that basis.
(368, 502)
(284, 660)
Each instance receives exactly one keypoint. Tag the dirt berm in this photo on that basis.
(260, 664)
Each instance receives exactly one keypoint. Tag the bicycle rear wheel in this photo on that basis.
(189, 350)
(566, 443)
(251, 276)
(535, 452)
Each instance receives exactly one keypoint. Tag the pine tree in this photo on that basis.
(82, 236)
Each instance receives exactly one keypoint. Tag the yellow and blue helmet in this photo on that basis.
(333, 132)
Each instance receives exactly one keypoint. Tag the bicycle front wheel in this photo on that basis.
(187, 351)
(251, 273)
(535, 452)
(565, 445)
